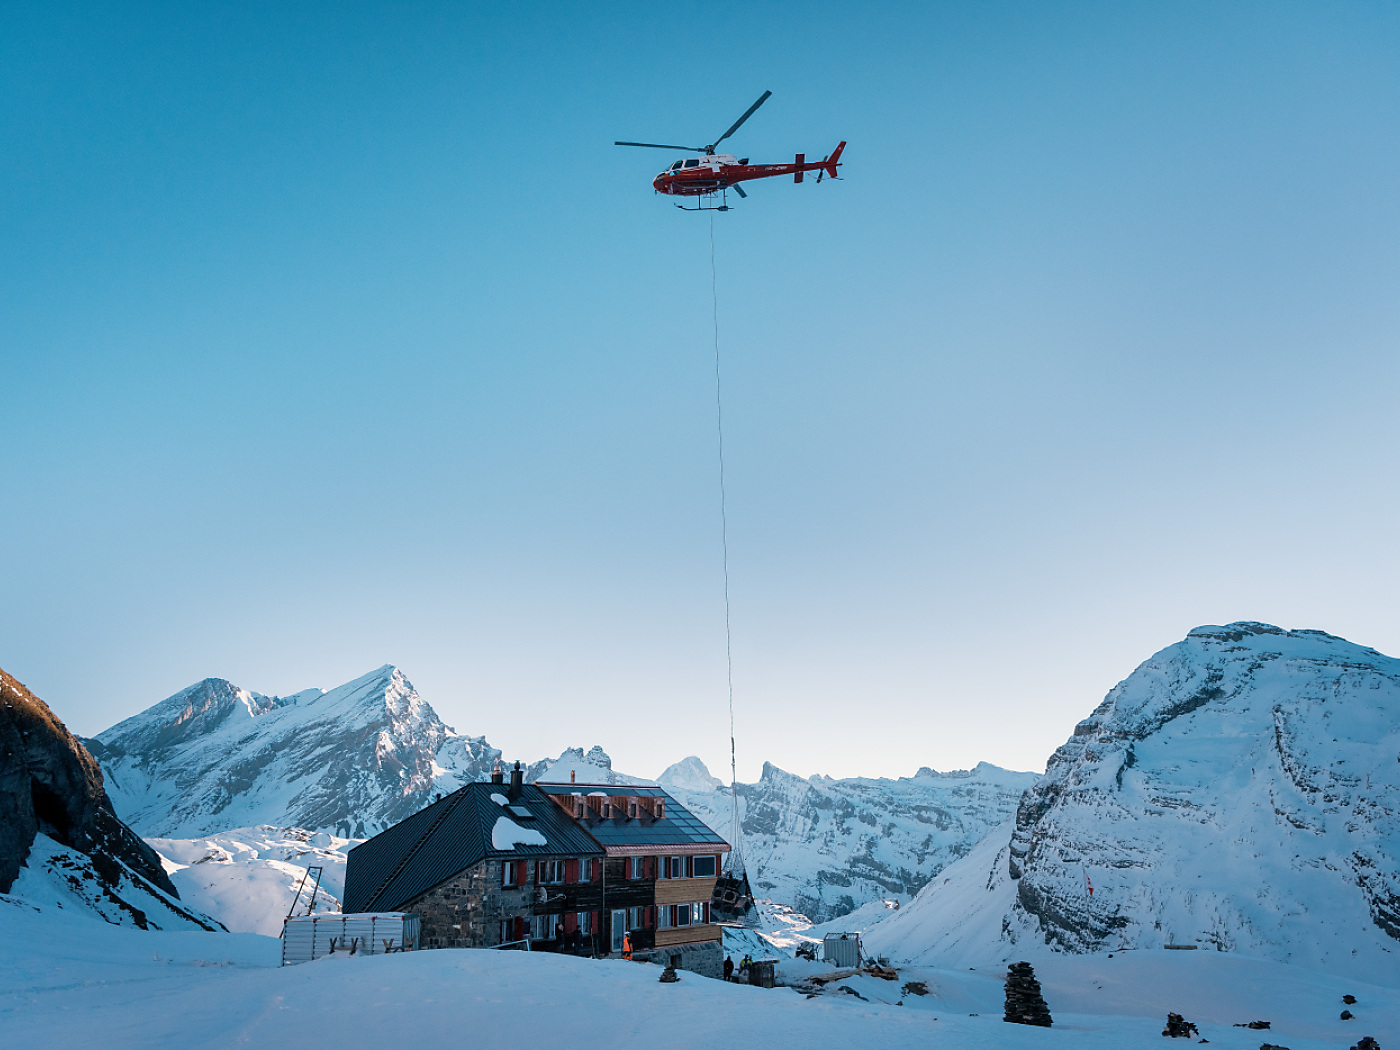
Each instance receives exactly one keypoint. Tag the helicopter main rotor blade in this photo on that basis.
(747, 114)
(662, 145)
(739, 190)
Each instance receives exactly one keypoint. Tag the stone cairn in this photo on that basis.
(1024, 1003)
(1179, 1028)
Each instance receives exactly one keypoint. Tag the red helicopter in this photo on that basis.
(716, 173)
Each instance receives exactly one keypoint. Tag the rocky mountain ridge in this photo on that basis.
(358, 758)
(61, 844)
(826, 847)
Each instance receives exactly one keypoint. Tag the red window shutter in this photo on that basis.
(539, 872)
(521, 875)
(707, 911)
(571, 871)
(570, 922)
(519, 925)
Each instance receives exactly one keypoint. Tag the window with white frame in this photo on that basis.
(683, 914)
(509, 873)
(663, 917)
(585, 922)
(677, 866)
(704, 867)
(540, 929)
(551, 872)
(634, 918)
(697, 914)
(636, 868)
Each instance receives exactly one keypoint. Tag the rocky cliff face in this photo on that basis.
(1239, 791)
(55, 814)
(351, 761)
(827, 846)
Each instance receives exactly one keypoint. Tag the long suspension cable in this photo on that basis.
(724, 538)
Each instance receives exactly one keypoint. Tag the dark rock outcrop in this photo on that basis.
(49, 783)
(1179, 1028)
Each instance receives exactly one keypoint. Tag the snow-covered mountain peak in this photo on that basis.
(1239, 791)
(689, 774)
(592, 767)
(353, 759)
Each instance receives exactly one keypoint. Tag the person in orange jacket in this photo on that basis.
(627, 946)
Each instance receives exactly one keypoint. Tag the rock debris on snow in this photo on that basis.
(1179, 1028)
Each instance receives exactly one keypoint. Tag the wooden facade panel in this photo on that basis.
(687, 935)
(684, 891)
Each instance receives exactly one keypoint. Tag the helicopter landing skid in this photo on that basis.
(702, 205)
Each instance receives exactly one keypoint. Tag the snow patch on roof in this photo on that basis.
(507, 834)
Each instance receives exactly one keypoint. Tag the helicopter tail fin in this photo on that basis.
(832, 161)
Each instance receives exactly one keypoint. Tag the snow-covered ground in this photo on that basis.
(70, 981)
(247, 878)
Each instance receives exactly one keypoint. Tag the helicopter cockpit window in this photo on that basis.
(676, 165)
(692, 164)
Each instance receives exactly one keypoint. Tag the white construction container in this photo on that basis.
(366, 933)
(841, 950)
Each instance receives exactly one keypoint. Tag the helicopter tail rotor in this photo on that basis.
(833, 161)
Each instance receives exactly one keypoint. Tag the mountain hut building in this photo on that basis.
(592, 869)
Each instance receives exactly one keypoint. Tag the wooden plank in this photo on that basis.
(684, 891)
(687, 935)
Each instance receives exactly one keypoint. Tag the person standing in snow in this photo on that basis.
(729, 967)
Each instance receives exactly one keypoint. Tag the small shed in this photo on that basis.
(310, 937)
(841, 949)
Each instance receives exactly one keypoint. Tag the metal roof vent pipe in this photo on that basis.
(517, 783)
(496, 775)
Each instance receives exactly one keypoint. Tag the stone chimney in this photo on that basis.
(517, 783)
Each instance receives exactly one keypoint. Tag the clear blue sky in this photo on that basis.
(335, 335)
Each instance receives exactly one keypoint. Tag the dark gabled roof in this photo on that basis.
(433, 845)
(679, 827)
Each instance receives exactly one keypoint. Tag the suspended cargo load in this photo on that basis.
(309, 937)
(732, 900)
